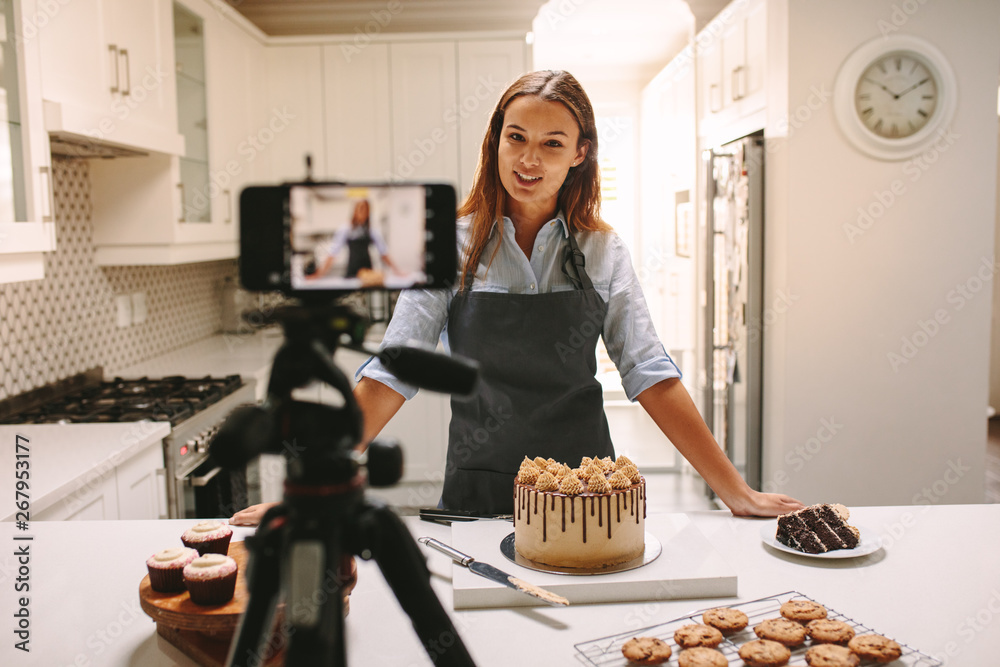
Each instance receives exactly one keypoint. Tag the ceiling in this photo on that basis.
(594, 35)
(347, 17)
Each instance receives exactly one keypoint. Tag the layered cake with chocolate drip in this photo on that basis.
(592, 516)
(817, 529)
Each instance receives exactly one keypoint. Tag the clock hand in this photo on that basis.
(913, 87)
(894, 95)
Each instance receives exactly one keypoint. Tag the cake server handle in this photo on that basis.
(454, 554)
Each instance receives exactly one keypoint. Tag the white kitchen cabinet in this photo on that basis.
(390, 111)
(107, 73)
(710, 98)
(295, 94)
(135, 489)
(732, 63)
(141, 485)
(94, 500)
(234, 63)
(485, 69)
(168, 209)
(26, 210)
(356, 92)
(425, 142)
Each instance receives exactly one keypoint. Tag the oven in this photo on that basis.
(195, 409)
(196, 486)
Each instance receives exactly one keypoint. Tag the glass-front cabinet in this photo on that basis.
(165, 208)
(26, 212)
(192, 114)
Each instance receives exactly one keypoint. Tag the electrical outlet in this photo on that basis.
(124, 318)
(139, 308)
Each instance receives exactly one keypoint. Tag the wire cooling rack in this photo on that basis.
(607, 651)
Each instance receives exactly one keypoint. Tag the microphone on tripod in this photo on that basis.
(427, 369)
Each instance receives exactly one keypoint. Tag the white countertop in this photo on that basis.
(935, 585)
(64, 458)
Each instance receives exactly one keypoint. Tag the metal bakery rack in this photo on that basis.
(607, 651)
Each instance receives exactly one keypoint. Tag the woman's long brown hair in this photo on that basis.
(580, 194)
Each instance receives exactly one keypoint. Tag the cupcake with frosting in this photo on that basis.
(211, 579)
(208, 537)
(166, 568)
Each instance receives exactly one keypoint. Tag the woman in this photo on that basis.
(358, 239)
(542, 277)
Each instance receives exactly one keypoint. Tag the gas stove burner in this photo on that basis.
(173, 399)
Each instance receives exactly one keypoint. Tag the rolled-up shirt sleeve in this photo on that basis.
(419, 318)
(629, 334)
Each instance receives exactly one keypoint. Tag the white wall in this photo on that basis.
(841, 423)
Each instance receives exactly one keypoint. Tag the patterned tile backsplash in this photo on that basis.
(54, 328)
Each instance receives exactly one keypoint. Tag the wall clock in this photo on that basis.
(893, 96)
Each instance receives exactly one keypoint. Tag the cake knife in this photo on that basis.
(493, 574)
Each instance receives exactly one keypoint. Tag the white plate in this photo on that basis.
(870, 542)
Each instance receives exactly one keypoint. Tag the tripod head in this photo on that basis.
(304, 544)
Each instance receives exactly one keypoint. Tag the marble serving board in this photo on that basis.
(688, 567)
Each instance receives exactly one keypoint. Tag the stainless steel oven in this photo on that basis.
(194, 407)
(196, 487)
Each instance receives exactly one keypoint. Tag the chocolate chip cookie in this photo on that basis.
(803, 610)
(725, 619)
(875, 647)
(827, 631)
(781, 630)
(702, 656)
(646, 651)
(689, 636)
(764, 653)
(829, 655)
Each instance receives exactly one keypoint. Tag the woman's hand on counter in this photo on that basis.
(755, 503)
(251, 516)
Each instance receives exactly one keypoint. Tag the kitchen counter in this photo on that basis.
(64, 458)
(935, 585)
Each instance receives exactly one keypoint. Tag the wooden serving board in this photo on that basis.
(175, 610)
(204, 633)
(688, 567)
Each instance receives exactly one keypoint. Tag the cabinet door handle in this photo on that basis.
(183, 217)
(114, 56)
(229, 206)
(711, 98)
(46, 172)
(161, 491)
(128, 74)
(737, 81)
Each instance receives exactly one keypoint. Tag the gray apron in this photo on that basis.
(537, 393)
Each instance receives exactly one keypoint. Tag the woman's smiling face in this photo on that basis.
(538, 146)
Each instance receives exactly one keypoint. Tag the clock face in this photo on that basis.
(896, 95)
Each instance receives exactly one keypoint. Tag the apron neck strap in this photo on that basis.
(574, 265)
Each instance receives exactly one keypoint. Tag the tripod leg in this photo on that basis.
(263, 582)
(403, 566)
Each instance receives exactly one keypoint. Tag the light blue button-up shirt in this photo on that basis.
(421, 316)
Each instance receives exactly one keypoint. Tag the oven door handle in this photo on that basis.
(204, 479)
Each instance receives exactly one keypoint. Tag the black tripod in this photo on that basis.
(302, 550)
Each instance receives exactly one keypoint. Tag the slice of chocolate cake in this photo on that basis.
(817, 529)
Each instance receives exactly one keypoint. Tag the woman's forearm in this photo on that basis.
(670, 406)
(378, 404)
